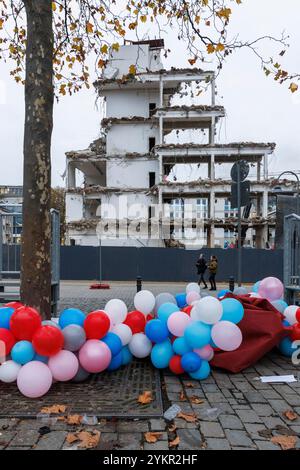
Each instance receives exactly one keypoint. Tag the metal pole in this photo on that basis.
(239, 224)
(100, 260)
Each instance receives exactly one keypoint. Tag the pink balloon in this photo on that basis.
(271, 288)
(34, 379)
(226, 335)
(192, 297)
(177, 323)
(94, 356)
(206, 353)
(63, 365)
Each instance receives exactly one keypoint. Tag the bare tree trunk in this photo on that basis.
(36, 236)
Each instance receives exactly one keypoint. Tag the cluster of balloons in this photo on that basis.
(179, 332)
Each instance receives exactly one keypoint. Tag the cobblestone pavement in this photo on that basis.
(226, 411)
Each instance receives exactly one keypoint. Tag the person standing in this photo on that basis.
(201, 266)
(213, 268)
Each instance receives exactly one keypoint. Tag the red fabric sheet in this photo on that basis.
(262, 330)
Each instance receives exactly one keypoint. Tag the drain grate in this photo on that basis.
(106, 395)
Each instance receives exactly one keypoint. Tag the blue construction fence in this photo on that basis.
(164, 264)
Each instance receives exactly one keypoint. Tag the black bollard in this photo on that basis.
(231, 283)
(138, 283)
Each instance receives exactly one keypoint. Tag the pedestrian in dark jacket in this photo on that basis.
(213, 268)
(201, 267)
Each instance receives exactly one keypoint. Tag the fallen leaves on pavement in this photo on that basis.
(74, 419)
(175, 442)
(87, 440)
(189, 385)
(196, 400)
(172, 428)
(182, 396)
(152, 437)
(285, 442)
(290, 414)
(145, 398)
(54, 409)
(189, 418)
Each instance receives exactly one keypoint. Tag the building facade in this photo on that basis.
(122, 190)
(11, 199)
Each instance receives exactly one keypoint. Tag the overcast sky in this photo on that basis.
(257, 108)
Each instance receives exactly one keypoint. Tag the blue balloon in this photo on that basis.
(126, 356)
(156, 330)
(233, 310)
(190, 362)
(181, 299)
(286, 348)
(71, 316)
(5, 315)
(116, 362)
(197, 334)
(114, 343)
(38, 357)
(22, 352)
(202, 373)
(181, 347)
(161, 354)
(256, 286)
(285, 323)
(280, 305)
(165, 310)
(222, 292)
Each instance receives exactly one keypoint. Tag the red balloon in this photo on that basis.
(24, 322)
(8, 339)
(295, 334)
(187, 309)
(136, 321)
(48, 340)
(14, 305)
(175, 365)
(298, 315)
(96, 324)
(149, 317)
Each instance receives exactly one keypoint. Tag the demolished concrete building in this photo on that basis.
(127, 196)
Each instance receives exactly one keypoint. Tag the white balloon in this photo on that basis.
(144, 301)
(9, 371)
(124, 333)
(117, 311)
(140, 346)
(192, 287)
(255, 295)
(192, 297)
(208, 310)
(290, 314)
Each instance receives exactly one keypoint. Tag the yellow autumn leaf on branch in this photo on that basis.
(89, 27)
(132, 69)
(115, 46)
(104, 49)
(210, 48)
(224, 13)
(294, 87)
(220, 47)
(1, 23)
(53, 6)
(143, 18)
(197, 19)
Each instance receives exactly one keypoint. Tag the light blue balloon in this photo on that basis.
(233, 310)
(181, 347)
(116, 362)
(156, 330)
(5, 315)
(256, 286)
(201, 373)
(280, 305)
(22, 352)
(165, 310)
(161, 354)
(126, 356)
(197, 334)
(38, 357)
(71, 316)
(113, 342)
(181, 299)
(286, 348)
(222, 292)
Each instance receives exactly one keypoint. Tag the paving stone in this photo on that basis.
(132, 426)
(254, 397)
(270, 394)
(248, 416)
(217, 444)
(6, 437)
(130, 441)
(266, 445)
(210, 429)
(213, 388)
(293, 400)
(231, 422)
(271, 422)
(108, 441)
(159, 445)
(27, 437)
(296, 429)
(53, 440)
(262, 410)
(182, 424)
(238, 438)
(253, 430)
(190, 439)
(157, 424)
(216, 397)
(107, 426)
(279, 405)
(8, 423)
(174, 388)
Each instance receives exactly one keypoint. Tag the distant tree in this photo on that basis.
(50, 43)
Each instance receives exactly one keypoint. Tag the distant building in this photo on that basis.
(126, 172)
(11, 199)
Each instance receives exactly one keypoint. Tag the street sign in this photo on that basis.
(245, 194)
(244, 170)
